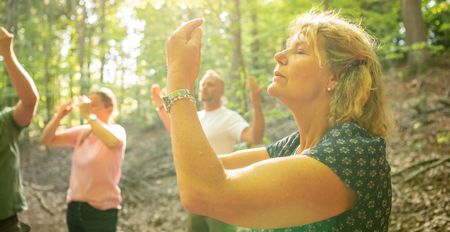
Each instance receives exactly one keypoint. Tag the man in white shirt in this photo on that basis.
(223, 128)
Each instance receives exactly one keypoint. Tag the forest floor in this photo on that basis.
(418, 152)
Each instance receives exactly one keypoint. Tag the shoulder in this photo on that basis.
(6, 114)
(7, 119)
(284, 146)
(231, 114)
(351, 135)
(353, 154)
(118, 128)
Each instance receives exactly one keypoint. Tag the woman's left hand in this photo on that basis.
(84, 104)
(183, 55)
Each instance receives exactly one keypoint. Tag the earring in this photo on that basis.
(328, 89)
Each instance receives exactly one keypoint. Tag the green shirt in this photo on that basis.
(359, 160)
(12, 199)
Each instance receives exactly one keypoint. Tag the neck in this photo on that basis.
(312, 122)
(210, 106)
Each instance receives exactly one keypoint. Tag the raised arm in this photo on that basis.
(21, 80)
(50, 137)
(158, 103)
(106, 133)
(271, 193)
(254, 134)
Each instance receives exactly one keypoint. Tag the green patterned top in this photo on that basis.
(359, 160)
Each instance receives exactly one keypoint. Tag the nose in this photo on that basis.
(280, 58)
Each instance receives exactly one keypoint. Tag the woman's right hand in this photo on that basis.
(183, 55)
(65, 109)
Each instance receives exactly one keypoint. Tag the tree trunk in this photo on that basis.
(415, 34)
(12, 16)
(237, 67)
(326, 5)
(47, 18)
(255, 43)
(102, 41)
(81, 29)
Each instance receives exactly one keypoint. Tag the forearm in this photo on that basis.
(104, 132)
(258, 124)
(49, 132)
(196, 163)
(21, 80)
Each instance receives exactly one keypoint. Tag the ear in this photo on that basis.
(332, 82)
(109, 110)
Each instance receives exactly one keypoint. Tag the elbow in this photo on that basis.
(114, 143)
(31, 103)
(191, 203)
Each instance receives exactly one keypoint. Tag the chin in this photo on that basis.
(272, 90)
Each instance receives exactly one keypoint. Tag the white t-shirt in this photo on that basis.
(223, 128)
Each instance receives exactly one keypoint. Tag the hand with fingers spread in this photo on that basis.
(183, 55)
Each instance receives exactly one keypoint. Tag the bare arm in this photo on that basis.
(50, 137)
(240, 159)
(254, 134)
(103, 131)
(271, 193)
(21, 80)
(158, 103)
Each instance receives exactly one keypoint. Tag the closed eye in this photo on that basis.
(301, 51)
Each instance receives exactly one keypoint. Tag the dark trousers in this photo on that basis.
(81, 217)
(12, 224)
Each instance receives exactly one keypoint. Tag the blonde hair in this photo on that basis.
(350, 56)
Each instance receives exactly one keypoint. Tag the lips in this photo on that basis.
(278, 74)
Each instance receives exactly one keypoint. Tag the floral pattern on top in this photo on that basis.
(359, 160)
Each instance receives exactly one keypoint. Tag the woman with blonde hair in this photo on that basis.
(330, 175)
(98, 150)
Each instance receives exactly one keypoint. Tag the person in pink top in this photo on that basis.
(94, 194)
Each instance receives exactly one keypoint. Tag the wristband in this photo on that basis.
(92, 117)
(176, 95)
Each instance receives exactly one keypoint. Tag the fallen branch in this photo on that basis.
(426, 168)
(42, 202)
(420, 162)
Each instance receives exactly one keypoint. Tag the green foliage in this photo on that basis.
(63, 45)
(437, 17)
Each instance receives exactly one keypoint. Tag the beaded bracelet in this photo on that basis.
(176, 95)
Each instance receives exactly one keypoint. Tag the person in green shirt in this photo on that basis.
(331, 174)
(12, 121)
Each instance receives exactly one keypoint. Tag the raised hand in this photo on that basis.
(183, 55)
(255, 89)
(156, 96)
(6, 39)
(65, 108)
(84, 104)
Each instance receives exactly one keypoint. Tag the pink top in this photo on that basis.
(96, 169)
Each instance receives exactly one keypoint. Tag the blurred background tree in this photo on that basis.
(72, 46)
